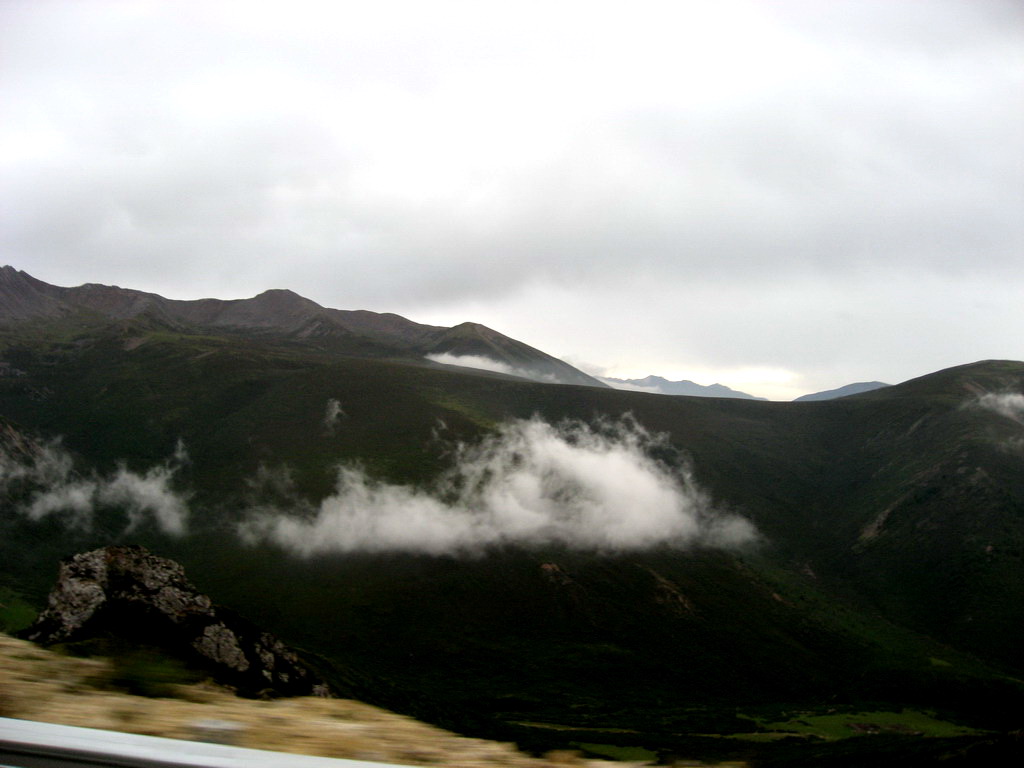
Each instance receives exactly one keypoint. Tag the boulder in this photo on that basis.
(130, 593)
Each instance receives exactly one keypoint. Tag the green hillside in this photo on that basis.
(888, 573)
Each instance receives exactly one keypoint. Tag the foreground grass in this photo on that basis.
(37, 684)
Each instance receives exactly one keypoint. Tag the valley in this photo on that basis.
(877, 590)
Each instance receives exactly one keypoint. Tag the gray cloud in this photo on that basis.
(531, 484)
(680, 165)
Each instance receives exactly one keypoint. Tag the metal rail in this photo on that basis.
(29, 744)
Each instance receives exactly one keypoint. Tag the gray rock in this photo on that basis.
(130, 592)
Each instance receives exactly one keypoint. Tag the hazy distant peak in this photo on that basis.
(661, 386)
(846, 391)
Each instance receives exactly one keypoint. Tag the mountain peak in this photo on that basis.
(846, 391)
(281, 292)
(282, 298)
(22, 297)
(473, 329)
(661, 386)
(280, 312)
(474, 343)
(9, 275)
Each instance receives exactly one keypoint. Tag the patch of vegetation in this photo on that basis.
(142, 671)
(842, 725)
(615, 752)
(15, 612)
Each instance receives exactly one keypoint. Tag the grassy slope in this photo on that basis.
(490, 640)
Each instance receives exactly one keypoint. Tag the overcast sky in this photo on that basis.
(780, 196)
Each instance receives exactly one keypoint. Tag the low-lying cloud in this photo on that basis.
(48, 484)
(332, 414)
(532, 483)
(1009, 404)
(489, 364)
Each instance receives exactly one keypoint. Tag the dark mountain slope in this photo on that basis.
(388, 327)
(943, 515)
(22, 297)
(279, 313)
(856, 489)
(475, 340)
(842, 604)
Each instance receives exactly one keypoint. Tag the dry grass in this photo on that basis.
(36, 684)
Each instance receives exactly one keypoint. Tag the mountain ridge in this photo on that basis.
(844, 391)
(685, 387)
(281, 312)
(887, 572)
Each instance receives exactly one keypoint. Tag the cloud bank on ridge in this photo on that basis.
(489, 364)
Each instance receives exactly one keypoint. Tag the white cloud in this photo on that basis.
(48, 485)
(77, 497)
(530, 484)
(489, 364)
(332, 414)
(1008, 404)
(146, 495)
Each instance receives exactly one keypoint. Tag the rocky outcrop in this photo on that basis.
(130, 592)
(16, 448)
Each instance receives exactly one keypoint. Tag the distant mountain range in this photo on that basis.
(660, 386)
(286, 315)
(849, 389)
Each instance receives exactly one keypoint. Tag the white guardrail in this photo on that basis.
(28, 744)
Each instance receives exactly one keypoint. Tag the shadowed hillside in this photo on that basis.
(278, 314)
(886, 570)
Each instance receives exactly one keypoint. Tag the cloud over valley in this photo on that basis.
(48, 484)
(531, 483)
(607, 487)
